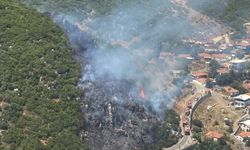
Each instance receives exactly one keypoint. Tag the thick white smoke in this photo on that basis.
(129, 41)
(125, 43)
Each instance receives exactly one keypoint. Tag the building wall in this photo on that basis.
(240, 138)
(238, 66)
(241, 104)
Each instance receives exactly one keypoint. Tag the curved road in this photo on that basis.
(187, 141)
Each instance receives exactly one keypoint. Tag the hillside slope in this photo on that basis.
(231, 12)
(38, 77)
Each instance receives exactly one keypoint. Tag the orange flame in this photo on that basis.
(142, 93)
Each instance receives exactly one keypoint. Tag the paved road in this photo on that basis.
(180, 144)
(186, 140)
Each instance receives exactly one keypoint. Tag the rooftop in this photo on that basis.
(243, 97)
(219, 56)
(199, 74)
(244, 134)
(237, 61)
(204, 55)
(244, 43)
(246, 122)
(214, 134)
(230, 89)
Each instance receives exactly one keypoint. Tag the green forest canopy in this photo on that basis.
(38, 78)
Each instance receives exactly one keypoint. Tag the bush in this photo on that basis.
(216, 123)
(212, 145)
(3, 125)
(247, 141)
(197, 123)
(197, 129)
(197, 136)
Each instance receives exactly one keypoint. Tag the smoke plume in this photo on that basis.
(126, 45)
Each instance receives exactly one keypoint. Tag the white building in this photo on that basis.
(238, 65)
(242, 101)
(245, 125)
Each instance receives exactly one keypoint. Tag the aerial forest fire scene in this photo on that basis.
(125, 74)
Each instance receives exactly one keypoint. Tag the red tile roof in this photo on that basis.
(204, 55)
(244, 134)
(244, 43)
(198, 74)
(231, 91)
(214, 134)
(219, 56)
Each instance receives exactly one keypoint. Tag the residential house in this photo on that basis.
(246, 85)
(244, 44)
(198, 75)
(177, 73)
(202, 81)
(197, 65)
(205, 56)
(238, 65)
(242, 101)
(210, 47)
(231, 91)
(215, 135)
(185, 56)
(245, 125)
(221, 57)
(243, 135)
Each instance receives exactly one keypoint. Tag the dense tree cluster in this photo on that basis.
(213, 145)
(167, 134)
(233, 79)
(38, 77)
